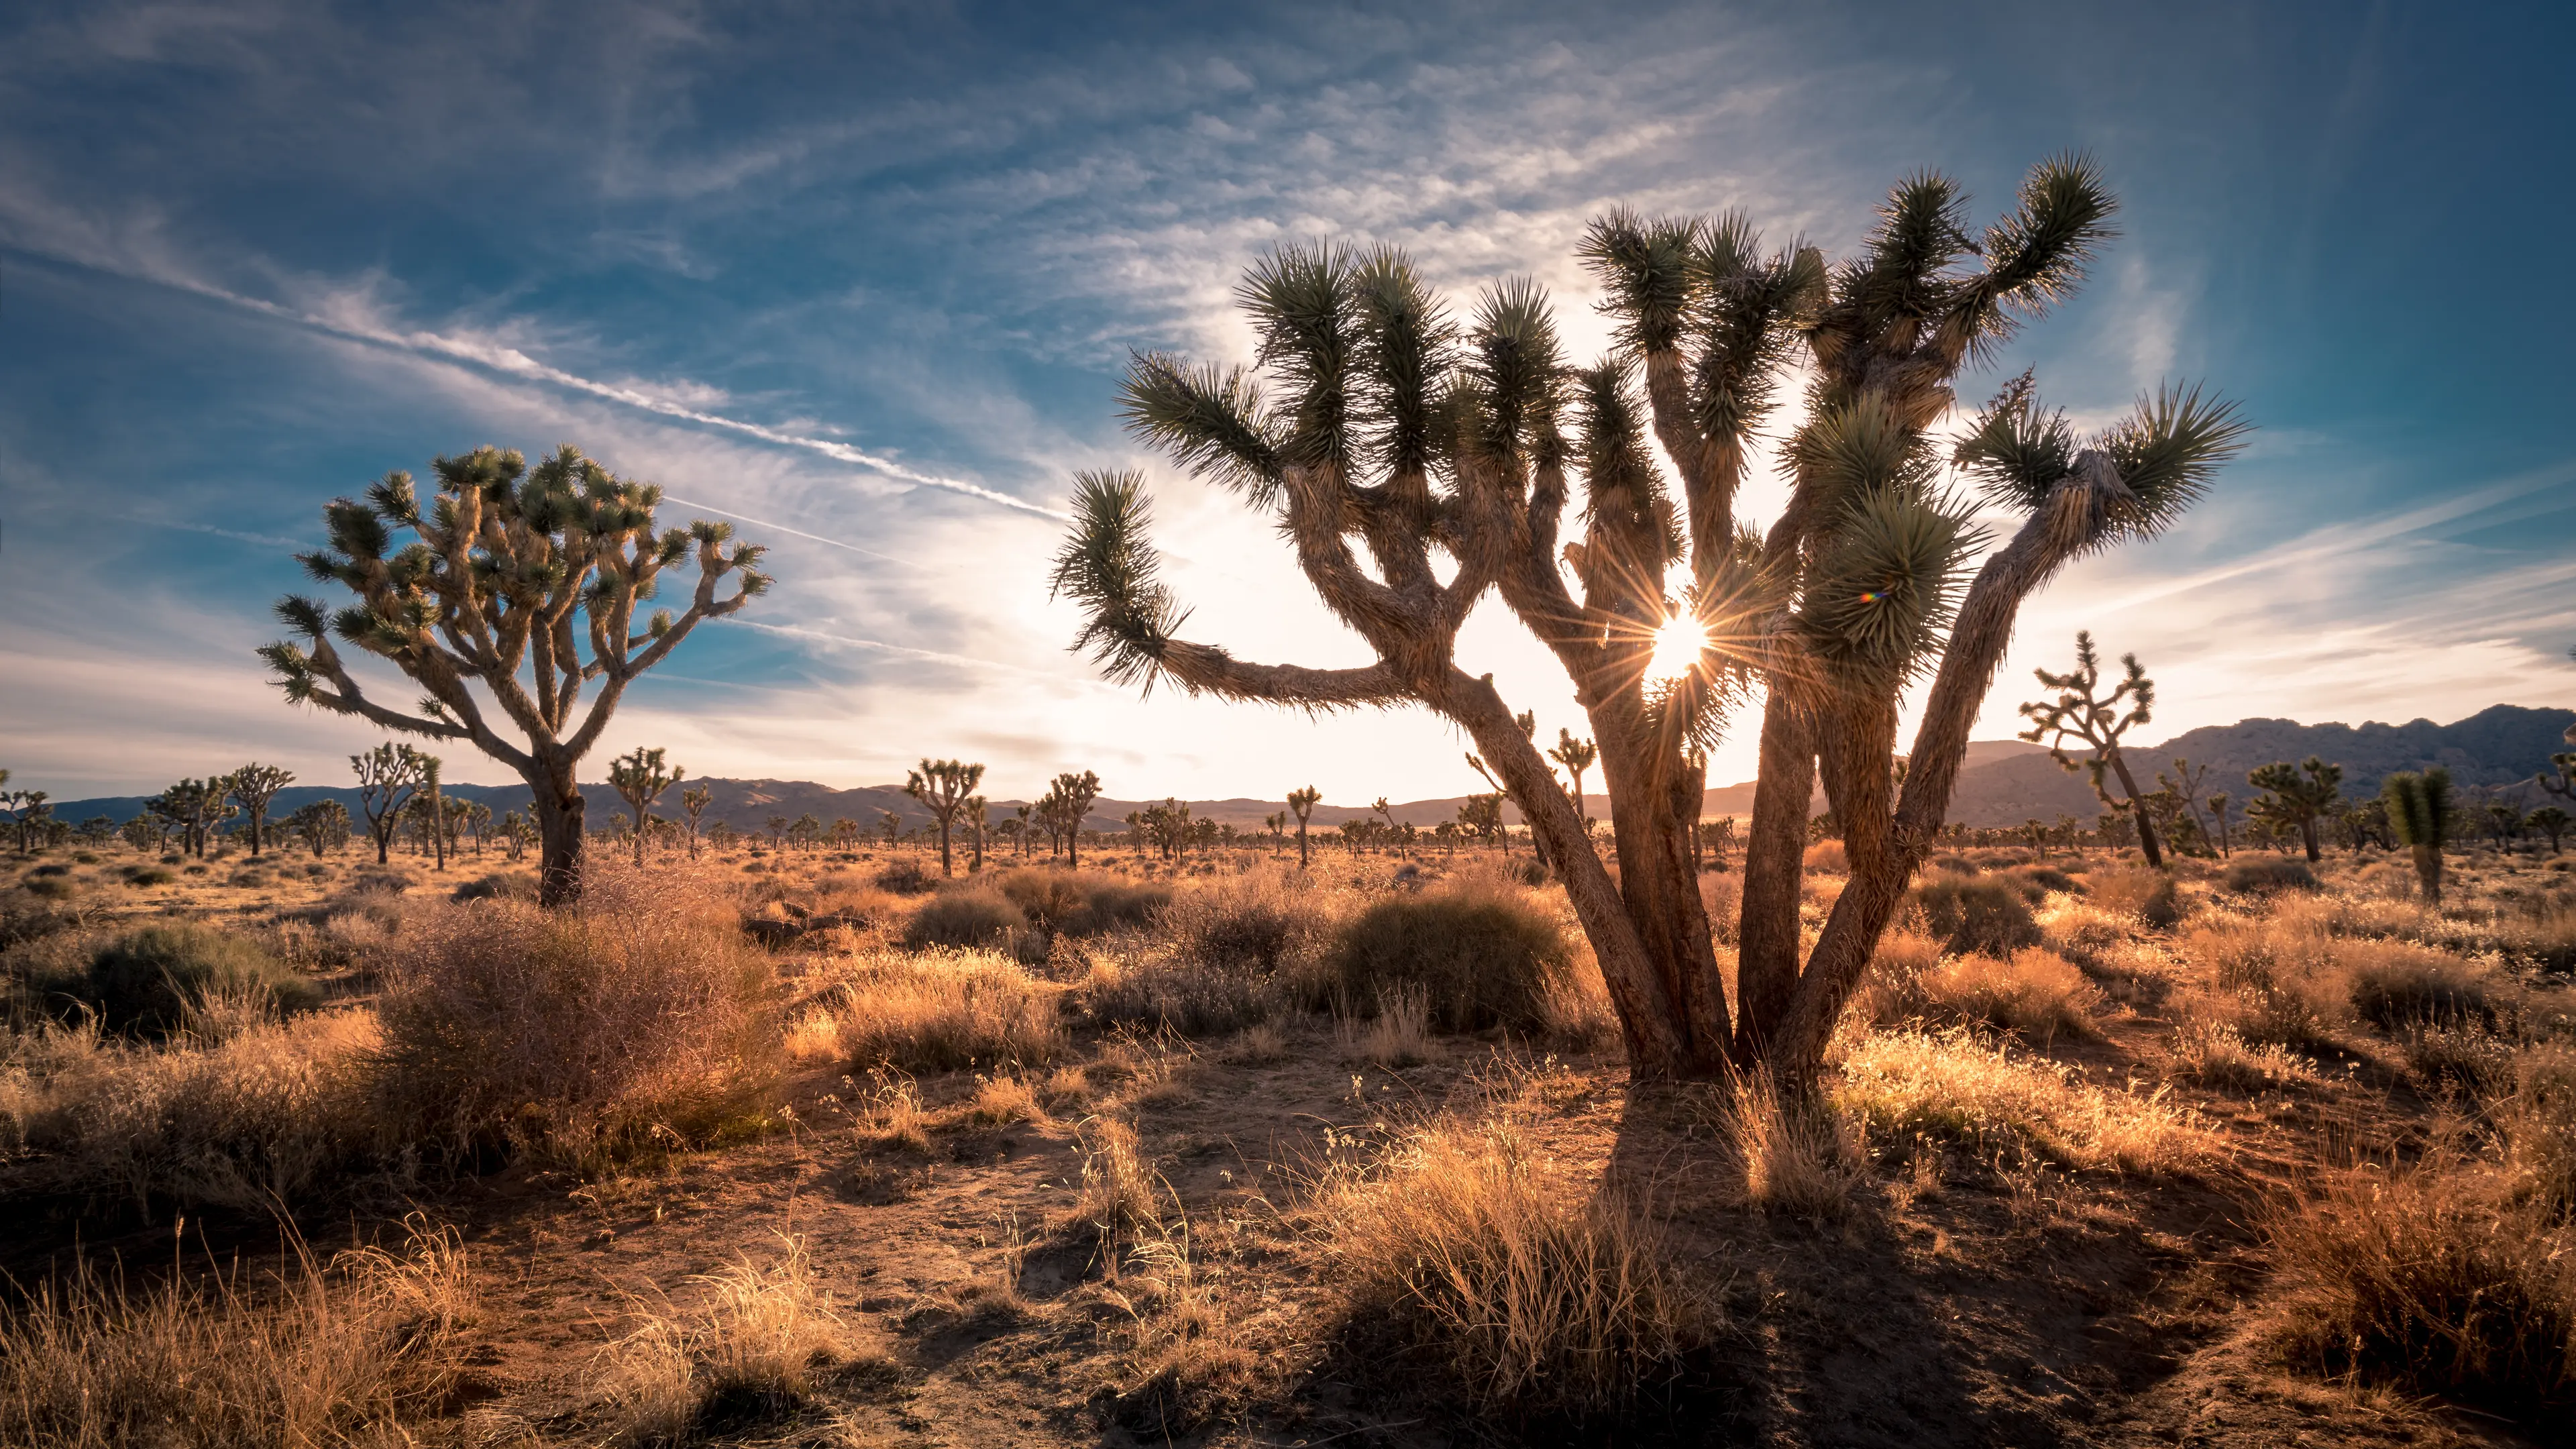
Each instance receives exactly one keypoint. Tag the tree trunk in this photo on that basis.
(947, 862)
(1775, 847)
(1301, 842)
(2308, 837)
(2138, 809)
(2428, 871)
(557, 804)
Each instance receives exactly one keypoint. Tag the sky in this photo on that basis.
(863, 279)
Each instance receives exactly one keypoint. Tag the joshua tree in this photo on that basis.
(193, 807)
(2560, 778)
(2083, 713)
(1385, 812)
(2419, 815)
(2298, 796)
(778, 832)
(806, 830)
(2218, 812)
(1020, 816)
(2551, 821)
(502, 560)
(1302, 804)
(693, 803)
(323, 826)
(434, 808)
(1482, 817)
(252, 787)
(2504, 821)
(2185, 786)
(890, 825)
(1576, 756)
(942, 786)
(1276, 822)
(29, 810)
(1067, 802)
(639, 780)
(975, 810)
(387, 776)
(1399, 430)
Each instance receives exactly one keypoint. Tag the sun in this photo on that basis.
(1677, 648)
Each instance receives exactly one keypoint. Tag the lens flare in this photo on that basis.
(1677, 648)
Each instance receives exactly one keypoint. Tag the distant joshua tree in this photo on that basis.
(1020, 817)
(2080, 711)
(974, 813)
(2218, 810)
(1276, 822)
(1576, 756)
(2297, 797)
(2560, 778)
(778, 825)
(252, 787)
(2419, 815)
(2551, 821)
(1066, 804)
(639, 779)
(28, 811)
(943, 786)
(693, 803)
(890, 825)
(194, 808)
(1302, 803)
(323, 826)
(486, 594)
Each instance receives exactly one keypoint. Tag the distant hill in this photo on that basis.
(2004, 782)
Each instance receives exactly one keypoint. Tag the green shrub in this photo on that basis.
(907, 876)
(1979, 914)
(2269, 875)
(148, 981)
(517, 885)
(52, 888)
(1483, 953)
(152, 877)
(975, 916)
(1254, 921)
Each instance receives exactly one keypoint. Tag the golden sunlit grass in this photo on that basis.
(1953, 1088)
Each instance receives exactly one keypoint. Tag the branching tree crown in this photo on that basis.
(2081, 711)
(1418, 461)
(640, 779)
(2299, 796)
(519, 589)
(943, 787)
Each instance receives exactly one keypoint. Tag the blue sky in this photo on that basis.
(865, 277)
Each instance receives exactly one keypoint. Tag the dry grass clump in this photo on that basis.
(1482, 951)
(1537, 1294)
(2081, 930)
(1262, 920)
(2259, 875)
(1082, 903)
(1951, 1087)
(2215, 1053)
(638, 1016)
(2415, 1278)
(341, 1354)
(1174, 991)
(1828, 856)
(934, 1012)
(2396, 987)
(2536, 1118)
(966, 918)
(2035, 992)
(746, 1351)
(2148, 897)
(1397, 1034)
(149, 981)
(1192, 1367)
(1120, 1196)
(268, 1113)
(1976, 913)
(1798, 1155)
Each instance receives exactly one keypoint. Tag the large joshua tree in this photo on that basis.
(1066, 804)
(2083, 712)
(2419, 815)
(1419, 464)
(943, 788)
(524, 582)
(2299, 796)
(253, 787)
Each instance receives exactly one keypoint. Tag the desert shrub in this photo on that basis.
(339, 1354)
(517, 885)
(2035, 992)
(1976, 914)
(2081, 931)
(1890, 994)
(150, 980)
(2267, 875)
(1828, 856)
(2413, 1278)
(2473, 1061)
(1723, 897)
(905, 876)
(974, 916)
(268, 1114)
(1483, 953)
(2546, 939)
(1079, 903)
(2037, 881)
(2420, 989)
(50, 888)
(1259, 920)
(940, 1010)
(1535, 1293)
(1952, 862)
(637, 1016)
(150, 877)
(1174, 993)
(1952, 1088)
(2147, 896)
